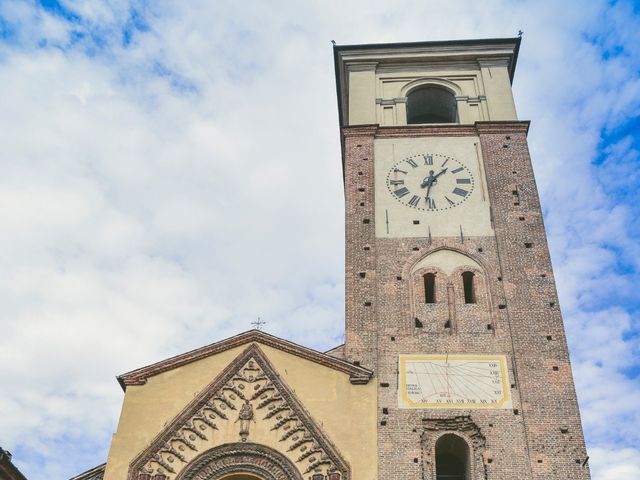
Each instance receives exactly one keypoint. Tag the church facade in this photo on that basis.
(455, 364)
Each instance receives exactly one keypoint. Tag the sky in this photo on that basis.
(171, 172)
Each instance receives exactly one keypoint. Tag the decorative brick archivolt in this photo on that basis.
(248, 391)
(264, 462)
(461, 426)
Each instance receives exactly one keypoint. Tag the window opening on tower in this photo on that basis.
(452, 458)
(469, 287)
(429, 287)
(431, 105)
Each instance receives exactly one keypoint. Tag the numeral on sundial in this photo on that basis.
(431, 203)
(412, 162)
(401, 192)
(460, 191)
(428, 159)
(414, 201)
(396, 182)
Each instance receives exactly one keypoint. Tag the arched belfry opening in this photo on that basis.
(453, 459)
(430, 104)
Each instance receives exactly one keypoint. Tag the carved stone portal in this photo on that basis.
(247, 391)
(249, 458)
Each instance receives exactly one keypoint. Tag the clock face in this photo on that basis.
(430, 182)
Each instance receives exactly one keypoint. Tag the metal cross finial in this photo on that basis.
(520, 32)
(258, 324)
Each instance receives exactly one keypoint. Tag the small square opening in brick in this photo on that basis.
(365, 159)
(362, 274)
(367, 247)
(552, 304)
(415, 460)
(359, 173)
(356, 363)
(361, 189)
(367, 304)
(359, 145)
(528, 245)
(513, 385)
(447, 324)
(543, 275)
(489, 460)
(516, 203)
(505, 146)
(502, 306)
(564, 430)
(489, 326)
(515, 192)
(383, 423)
(362, 204)
(549, 337)
(499, 279)
(385, 410)
(521, 219)
(508, 137)
(384, 384)
(418, 323)
(539, 460)
(555, 368)
(416, 222)
(393, 339)
(398, 278)
(480, 249)
(365, 220)
(415, 249)
(515, 411)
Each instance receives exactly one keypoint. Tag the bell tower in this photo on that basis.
(450, 295)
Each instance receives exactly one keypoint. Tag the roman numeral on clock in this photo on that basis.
(457, 170)
(431, 203)
(398, 170)
(451, 202)
(414, 201)
(460, 191)
(412, 162)
(463, 180)
(396, 182)
(401, 192)
(428, 159)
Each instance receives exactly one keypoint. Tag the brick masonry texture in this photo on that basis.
(517, 314)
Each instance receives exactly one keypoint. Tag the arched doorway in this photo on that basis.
(453, 460)
(240, 461)
(241, 476)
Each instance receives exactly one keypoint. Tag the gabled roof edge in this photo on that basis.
(358, 374)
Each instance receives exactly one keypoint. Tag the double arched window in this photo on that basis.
(430, 104)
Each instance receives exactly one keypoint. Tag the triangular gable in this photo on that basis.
(357, 374)
(251, 380)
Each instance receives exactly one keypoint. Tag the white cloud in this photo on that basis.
(161, 195)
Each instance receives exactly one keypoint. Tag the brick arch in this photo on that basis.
(448, 273)
(232, 458)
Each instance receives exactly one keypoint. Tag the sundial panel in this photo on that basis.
(454, 381)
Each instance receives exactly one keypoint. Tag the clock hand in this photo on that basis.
(444, 170)
(428, 181)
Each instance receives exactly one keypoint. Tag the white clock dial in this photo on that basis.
(430, 182)
(454, 381)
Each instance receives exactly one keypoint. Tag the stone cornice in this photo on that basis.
(358, 375)
(440, 130)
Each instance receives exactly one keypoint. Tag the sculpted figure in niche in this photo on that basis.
(245, 417)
